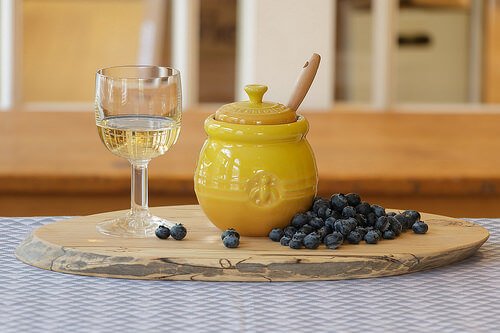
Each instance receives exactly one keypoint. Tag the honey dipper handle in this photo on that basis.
(304, 81)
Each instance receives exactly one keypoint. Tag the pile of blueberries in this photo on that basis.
(345, 218)
(177, 231)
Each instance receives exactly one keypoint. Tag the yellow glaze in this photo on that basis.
(255, 111)
(255, 177)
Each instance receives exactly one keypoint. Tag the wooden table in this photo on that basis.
(52, 163)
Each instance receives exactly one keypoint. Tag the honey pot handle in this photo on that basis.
(304, 81)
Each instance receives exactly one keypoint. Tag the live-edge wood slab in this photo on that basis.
(74, 246)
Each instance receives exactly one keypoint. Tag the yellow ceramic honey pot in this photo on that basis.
(256, 169)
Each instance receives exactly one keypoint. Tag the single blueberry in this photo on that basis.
(354, 237)
(306, 229)
(295, 244)
(364, 208)
(382, 223)
(338, 202)
(420, 227)
(333, 240)
(330, 222)
(299, 220)
(231, 241)
(389, 234)
(316, 223)
(229, 232)
(353, 199)
(285, 240)
(324, 212)
(312, 241)
(344, 226)
(378, 210)
(178, 231)
(276, 234)
(413, 214)
(372, 237)
(162, 232)
(353, 223)
(290, 231)
(395, 225)
(348, 211)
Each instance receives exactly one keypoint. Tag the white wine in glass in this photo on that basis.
(138, 117)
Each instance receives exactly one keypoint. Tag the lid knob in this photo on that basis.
(255, 92)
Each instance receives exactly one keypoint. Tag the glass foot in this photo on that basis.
(132, 225)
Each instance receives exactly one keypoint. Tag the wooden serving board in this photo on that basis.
(74, 246)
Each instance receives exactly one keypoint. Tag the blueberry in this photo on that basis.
(413, 214)
(378, 210)
(316, 222)
(306, 229)
(290, 231)
(395, 225)
(231, 241)
(420, 227)
(324, 212)
(361, 219)
(229, 232)
(372, 237)
(343, 226)
(364, 208)
(333, 240)
(338, 202)
(404, 220)
(299, 220)
(353, 199)
(354, 237)
(285, 240)
(162, 232)
(323, 231)
(348, 211)
(389, 234)
(412, 217)
(353, 223)
(178, 231)
(310, 214)
(330, 222)
(295, 244)
(312, 241)
(276, 234)
(371, 219)
(378, 232)
(299, 236)
(319, 203)
(382, 223)
(362, 231)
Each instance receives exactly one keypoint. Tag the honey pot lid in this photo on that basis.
(255, 111)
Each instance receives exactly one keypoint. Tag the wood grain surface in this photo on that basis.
(446, 163)
(75, 247)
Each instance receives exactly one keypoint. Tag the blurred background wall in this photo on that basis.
(447, 51)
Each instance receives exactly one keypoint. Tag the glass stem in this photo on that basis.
(139, 188)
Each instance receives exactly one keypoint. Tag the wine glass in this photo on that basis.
(138, 117)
